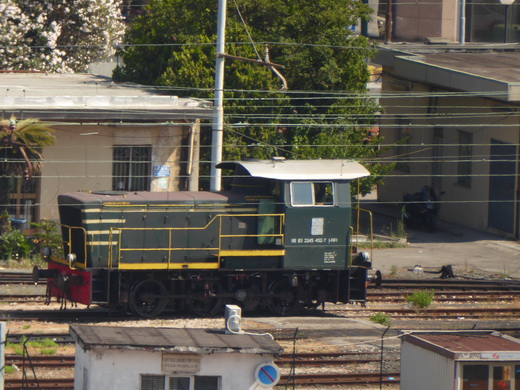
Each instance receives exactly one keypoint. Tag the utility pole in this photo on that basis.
(388, 22)
(3, 343)
(217, 134)
(462, 22)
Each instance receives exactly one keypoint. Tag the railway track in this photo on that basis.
(398, 296)
(24, 277)
(449, 284)
(299, 360)
(41, 361)
(17, 277)
(433, 313)
(340, 379)
(40, 384)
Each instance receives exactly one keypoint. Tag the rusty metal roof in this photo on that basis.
(177, 340)
(465, 343)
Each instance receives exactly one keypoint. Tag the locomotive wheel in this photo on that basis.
(148, 298)
(284, 299)
(252, 297)
(203, 302)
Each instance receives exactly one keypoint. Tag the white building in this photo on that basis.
(459, 360)
(109, 136)
(110, 358)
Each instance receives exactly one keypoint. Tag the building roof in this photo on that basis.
(301, 169)
(174, 340)
(87, 97)
(488, 73)
(463, 345)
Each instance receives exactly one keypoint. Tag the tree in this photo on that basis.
(57, 35)
(326, 112)
(20, 154)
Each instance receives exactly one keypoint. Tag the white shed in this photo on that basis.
(459, 360)
(110, 358)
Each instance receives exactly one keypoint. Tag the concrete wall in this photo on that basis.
(415, 21)
(81, 159)
(121, 369)
(425, 370)
(463, 205)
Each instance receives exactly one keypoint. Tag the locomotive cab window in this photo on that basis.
(312, 194)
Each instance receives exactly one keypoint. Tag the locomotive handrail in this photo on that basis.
(170, 249)
(371, 233)
(70, 243)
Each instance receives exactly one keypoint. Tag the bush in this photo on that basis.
(14, 245)
(45, 346)
(381, 318)
(47, 235)
(421, 299)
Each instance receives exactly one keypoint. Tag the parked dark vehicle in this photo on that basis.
(421, 208)
(279, 238)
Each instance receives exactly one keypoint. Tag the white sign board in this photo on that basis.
(186, 364)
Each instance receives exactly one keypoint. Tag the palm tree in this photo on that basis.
(20, 155)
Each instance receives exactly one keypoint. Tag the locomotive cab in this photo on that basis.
(314, 197)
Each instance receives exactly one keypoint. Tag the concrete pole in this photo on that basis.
(3, 342)
(218, 110)
(462, 22)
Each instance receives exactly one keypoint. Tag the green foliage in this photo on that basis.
(14, 245)
(16, 348)
(10, 369)
(45, 343)
(326, 112)
(21, 153)
(47, 235)
(421, 299)
(381, 318)
(45, 346)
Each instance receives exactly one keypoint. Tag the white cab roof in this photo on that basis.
(302, 169)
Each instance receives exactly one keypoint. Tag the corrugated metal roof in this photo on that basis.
(90, 97)
(472, 342)
(302, 169)
(178, 340)
(467, 344)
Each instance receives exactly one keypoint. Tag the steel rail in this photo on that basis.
(340, 379)
(40, 384)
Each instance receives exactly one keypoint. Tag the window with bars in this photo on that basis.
(465, 155)
(23, 197)
(131, 168)
(160, 382)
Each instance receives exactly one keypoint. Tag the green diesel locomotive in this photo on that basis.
(278, 238)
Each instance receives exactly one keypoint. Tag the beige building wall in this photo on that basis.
(444, 117)
(82, 159)
(415, 21)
